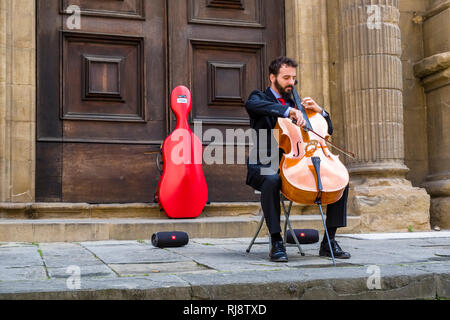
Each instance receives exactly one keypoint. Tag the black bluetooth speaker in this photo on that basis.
(170, 239)
(304, 236)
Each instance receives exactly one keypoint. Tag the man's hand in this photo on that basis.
(310, 104)
(296, 115)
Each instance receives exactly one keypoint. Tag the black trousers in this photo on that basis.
(270, 186)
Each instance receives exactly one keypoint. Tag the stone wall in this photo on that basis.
(307, 43)
(434, 74)
(17, 100)
(414, 101)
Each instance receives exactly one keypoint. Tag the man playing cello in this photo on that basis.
(264, 108)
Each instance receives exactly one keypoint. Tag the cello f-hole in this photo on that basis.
(298, 150)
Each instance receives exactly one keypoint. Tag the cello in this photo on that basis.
(182, 190)
(309, 171)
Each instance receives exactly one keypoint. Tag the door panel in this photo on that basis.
(121, 173)
(221, 81)
(130, 9)
(109, 76)
(242, 13)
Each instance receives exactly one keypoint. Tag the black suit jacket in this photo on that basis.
(264, 110)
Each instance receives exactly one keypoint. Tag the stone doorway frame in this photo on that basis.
(17, 100)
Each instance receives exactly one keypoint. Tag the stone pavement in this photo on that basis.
(383, 266)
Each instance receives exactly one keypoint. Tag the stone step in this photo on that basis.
(90, 229)
(129, 210)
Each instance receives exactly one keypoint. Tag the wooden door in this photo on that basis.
(221, 49)
(102, 102)
(102, 96)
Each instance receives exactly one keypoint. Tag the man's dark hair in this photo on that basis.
(276, 64)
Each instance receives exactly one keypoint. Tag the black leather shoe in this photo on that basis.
(337, 251)
(278, 252)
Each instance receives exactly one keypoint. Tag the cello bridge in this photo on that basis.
(311, 147)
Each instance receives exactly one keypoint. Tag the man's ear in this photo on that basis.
(272, 78)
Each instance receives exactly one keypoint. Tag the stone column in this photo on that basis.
(372, 110)
(307, 43)
(434, 72)
(17, 100)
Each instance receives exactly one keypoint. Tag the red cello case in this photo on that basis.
(182, 191)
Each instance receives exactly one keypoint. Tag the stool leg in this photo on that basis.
(291, 230)
(256, 234)
(286, 212)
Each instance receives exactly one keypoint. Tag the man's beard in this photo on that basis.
(282, 90)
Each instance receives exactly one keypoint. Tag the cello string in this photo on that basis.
(348, 153)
